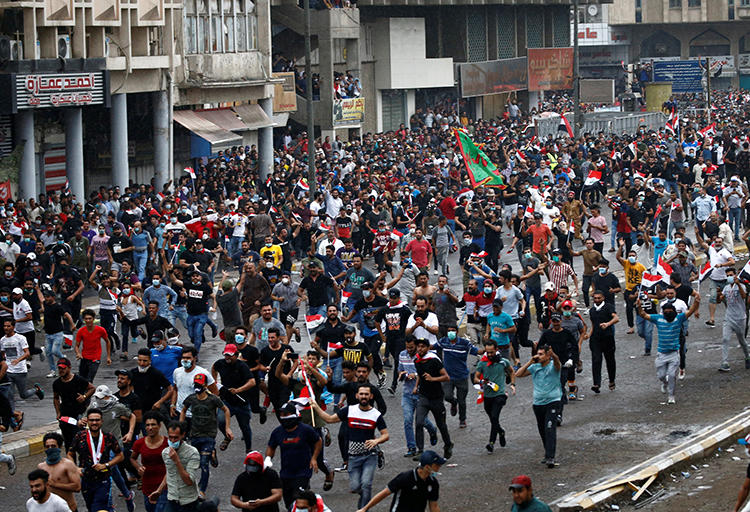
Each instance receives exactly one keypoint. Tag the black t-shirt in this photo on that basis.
(250, 354)
(233, 375)
(370, 309)
(133, 402)
(396, 319)
(354, 354)
(317, 290)
(116, 245)
(411, 493)
(67, 392)
(330, 334)
(431, 365)
(149, 386)
(684, 292)
(601, 316)
(202, 258)
(197, 297)
(563, 344)
(53, 318)
(604, 283)
(67, 280)
(270, 357)
(257, 487)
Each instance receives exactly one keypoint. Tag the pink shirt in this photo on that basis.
(598, 226)
(420, 250)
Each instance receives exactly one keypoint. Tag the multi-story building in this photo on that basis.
(103, 92)
(685, 29)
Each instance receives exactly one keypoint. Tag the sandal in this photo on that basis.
(225, 444)
(611, 386)
(19, 422)
(214, 459)
(328, 484)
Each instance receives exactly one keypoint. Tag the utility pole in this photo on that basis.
(708, 90)
(578, 123)
(311, 179)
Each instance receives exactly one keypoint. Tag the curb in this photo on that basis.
(25, 443)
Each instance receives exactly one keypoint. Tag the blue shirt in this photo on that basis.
(140, 240)
(406, 364)
(161, 295)
(659, 247)
(455, 354)
(166, 360)
(669, 332)
(503, 321)
(546, 383)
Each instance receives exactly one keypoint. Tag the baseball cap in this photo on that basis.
(555, 316)
(102, 391)
(349, 328)
(497, 302)
(157, 336)
(200, 379)
(430, 457)
(121, 371)
(288, 410)
(17, 291)
(230, 349)
(394, 292)
(556, 251)
(520, 482)
(537, 215)
(366, 286)
(567, 304)
(63, 361)
(549, 286)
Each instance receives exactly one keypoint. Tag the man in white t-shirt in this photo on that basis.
(16, 350)
(184, 383)
(42, 500)
(423, 323)
(720, 259)
(23, 315)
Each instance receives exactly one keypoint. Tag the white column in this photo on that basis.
(119, 128)
(27, 171)
(74, 152)
(265, 141)
(161, 138)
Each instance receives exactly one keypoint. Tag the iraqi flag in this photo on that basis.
(672, 122)
(595, 175)
(314, 323)
(564, 126)
(302, 183)
(529, 213)
(649, 281)
(745, 272)
(706, 271)
(663, 269)
(191, 172)
(466, 192)
(708, 131)
(345, 296)
(521, 155)
(633, 149)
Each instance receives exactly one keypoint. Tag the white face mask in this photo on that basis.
(269, 264)
(285, 280)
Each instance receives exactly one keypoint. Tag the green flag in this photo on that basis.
(482, 172)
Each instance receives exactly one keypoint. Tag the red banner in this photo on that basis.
(5, 193)
(550, 69)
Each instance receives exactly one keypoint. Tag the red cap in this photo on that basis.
(254, 457)
(520, 482)
(567, 304)
(230, 349)
(200, 379)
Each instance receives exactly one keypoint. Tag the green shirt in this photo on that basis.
(493, 372)
(535, 505)
(546, 379)
(177, 490)
(204, 421)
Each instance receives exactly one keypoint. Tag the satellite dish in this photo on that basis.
(593, 10)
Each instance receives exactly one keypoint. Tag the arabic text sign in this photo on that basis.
(350, 110)
(550, 69)
(60, 90)
(685, 75)
(493, 77)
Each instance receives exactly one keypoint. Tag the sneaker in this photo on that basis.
(670, 400)
(52, 374)
(681, 376)
(263, 415)
(381, 459)
(411, 452)
(41, 355)
(130, 501)
(502, 438)
(436, 272)
(454, 408)
(417, 455)
(490, 447)
(462, 424)
(433, 438)
(214, 331)
(381, 380)
(663, 387)
(392, 390)
(747, 364)
(12, 467)
(448, 451)
(559, 420)
(39, 392)
(724, 367)
(711, 323)
(551, 463)
(344, 467)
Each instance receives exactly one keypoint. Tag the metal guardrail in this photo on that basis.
(608, 122)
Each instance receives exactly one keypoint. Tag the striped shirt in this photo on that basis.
(558, 274)
(361, 426)
(669, 332)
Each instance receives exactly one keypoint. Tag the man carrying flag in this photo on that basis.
(482, 172)
(720, 259)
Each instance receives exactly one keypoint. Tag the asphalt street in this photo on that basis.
(601, 433)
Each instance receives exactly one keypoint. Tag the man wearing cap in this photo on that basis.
(523, 496)
(236, 382)
(733, 197)
(317, 289)
(365, 312)
(413, 490)
(396, 317)
(204, 408)
(559, 271)
(119, 247)
(258, 487)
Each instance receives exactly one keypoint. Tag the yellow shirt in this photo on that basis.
(275, 250)
(633, 274)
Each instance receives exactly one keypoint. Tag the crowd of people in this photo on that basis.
(363, 254)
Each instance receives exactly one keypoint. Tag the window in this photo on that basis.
(638, 12)
(675, 4)
(694, 3)
(745, 3)
(730, 6)
(219, 26)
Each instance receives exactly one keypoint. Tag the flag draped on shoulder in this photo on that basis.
(481, 171)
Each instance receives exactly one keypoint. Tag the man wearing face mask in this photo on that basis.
(633, 275)
(64, 474)
(669, 328)
(607, 283)
(183, 378)
(258, 487)
(734, 295)
(285, 293)
(165, 357)
(160, 293)
(150, 384)
(236, 382)
(182, 462)
(455, 352)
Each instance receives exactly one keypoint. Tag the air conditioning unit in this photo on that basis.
(64, 48)
(10, 49)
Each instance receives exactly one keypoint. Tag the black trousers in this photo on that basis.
(290, 486)
(373, 344)
(546, 423)
(629, 307)
(492, 406)
(437, 408)
(585, 287)
(602, 348)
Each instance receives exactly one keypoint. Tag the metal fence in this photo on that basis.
(608, 122)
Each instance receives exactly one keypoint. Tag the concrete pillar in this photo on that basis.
(27, 172)
(74, 152)
(325, 69)
(161, 138)
(119, 127)
(265, 141)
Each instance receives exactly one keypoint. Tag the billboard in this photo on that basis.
(492, 77)
(550, 69)
(284, 94)
(349, 111)
(685, 75)
(61, 90)
(597, 90)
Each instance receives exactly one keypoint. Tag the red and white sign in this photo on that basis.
(60, 90)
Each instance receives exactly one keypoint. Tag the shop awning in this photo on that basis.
(218, 137)
(253, 116)
(280, 119)
(223, 118)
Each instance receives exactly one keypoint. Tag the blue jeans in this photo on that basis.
(53, 349)
(160, 504)
(242, 413)
(179, 312)
(612, 231)
(195, 325)
(337, 377)
(317, 310)
(409, 406)
(479, 241)
(204, 445)
(234, 244)
(645, 331)
(735, 219)
(139, 262)
(361, 472)
(96, 494)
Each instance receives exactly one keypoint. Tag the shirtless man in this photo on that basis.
(64, 476)
(423, 288)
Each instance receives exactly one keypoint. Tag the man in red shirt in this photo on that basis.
(421, 251)
(448, 207)
(541, 236)
(91, 337)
